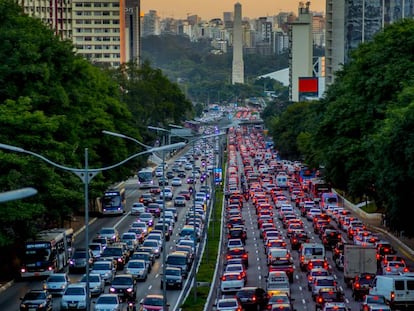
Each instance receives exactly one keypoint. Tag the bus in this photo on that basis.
(317, 186)
(114, 201)
(47, 253)
(146, 178)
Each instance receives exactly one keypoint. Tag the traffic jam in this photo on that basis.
(291, 245)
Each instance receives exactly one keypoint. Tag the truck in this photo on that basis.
(359, 259)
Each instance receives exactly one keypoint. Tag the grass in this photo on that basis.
(208, 262)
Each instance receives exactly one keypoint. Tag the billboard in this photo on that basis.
(218, 175)
(308, 86)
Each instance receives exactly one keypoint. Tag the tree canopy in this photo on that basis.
(361, 131)
(56, 104)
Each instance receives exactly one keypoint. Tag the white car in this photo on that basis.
(74, 297)
(96, 249)
(137, 208)
(138, 268)
(231, 282)
(96, 283)
(56, 283)
(228, 304)
(176, 182)
(105, 268)
(107, 302)
(167, 192)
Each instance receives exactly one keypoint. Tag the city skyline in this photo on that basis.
(180, 9)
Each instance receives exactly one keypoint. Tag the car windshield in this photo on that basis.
(173, 272)
(92, 279)
(152, 301)
(107, 300)
(35, 296)
(227, 304)
(107, 231)
(56, 278)
(136, 264)
(122, 281)
(101, 266)
(75, 291)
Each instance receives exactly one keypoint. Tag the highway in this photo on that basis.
(10, 299)
(256, 273)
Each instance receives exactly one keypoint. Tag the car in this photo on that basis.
(322, 282)
(107, 302)
(75, 297)
(96, 249)
(237, 233)
(190, 180)
(163, 181)
(137, 208)
(154, 245)
(360, 285)
(176, 182)
(78, 261)
(131, 239)
(124, 285)
(231, 282)
(315, 272)
(147, 218)
(105, 268)
(335, 306)
(140, 225)
(110, 233)
(328, 295)
(173, 278)
(185, 193)
(394, 267)
(146, 198)
(116, 254)
(180, 201)
(282, 263)
(238, 252)
(154, 302)
(36, 300)
(56, 283)
(228, 304)
(237, 268)
(279, 299)
(138, 268)
(167, 193)
(252, 298)
(96, 283)
(379, 308)
(170, 175)
(231, 243)
(146, 256)
(154, 208)
(373, 300)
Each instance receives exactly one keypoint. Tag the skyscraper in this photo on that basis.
(351, 22)
(238, 65)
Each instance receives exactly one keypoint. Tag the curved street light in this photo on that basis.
(86, 175)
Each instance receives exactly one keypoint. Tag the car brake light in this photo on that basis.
(320, 300)
(239, 277)
(223, 278)
(254, 298)
(357, 285)
(392, 296)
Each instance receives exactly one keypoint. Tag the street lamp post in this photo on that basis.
(86, 175)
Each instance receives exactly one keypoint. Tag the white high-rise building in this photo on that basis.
(238, 64)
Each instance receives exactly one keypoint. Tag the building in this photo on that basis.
(56, 14)
(99, 31)
(238, 64)
(151, 24)
(351, 22)
(301, 50)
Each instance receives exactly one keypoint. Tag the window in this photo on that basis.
(399, 285)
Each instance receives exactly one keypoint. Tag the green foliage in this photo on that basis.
(56, 104)
(365, 135)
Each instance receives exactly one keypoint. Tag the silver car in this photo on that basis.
(107, 302)
(138, 268)
(105, 268)
(56, 283)
(96, 283)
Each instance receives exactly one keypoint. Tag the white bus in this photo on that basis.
(146, 178)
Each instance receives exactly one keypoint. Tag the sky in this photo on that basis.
(209, 9)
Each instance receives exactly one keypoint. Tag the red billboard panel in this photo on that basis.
(308, 85)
